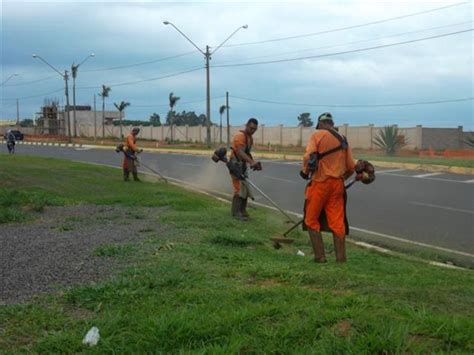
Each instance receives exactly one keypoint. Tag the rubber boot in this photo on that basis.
(318, 246)
(126, 175)
(135, 177)
(340, 249)
(237, 209)
(235, 206)
(243, 207)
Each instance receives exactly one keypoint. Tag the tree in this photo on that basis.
(305, 119)
(155, 120)
(389, 139)
(27, 122)
(120, 107)
(103, 95)
(172, 101)
(221, 112)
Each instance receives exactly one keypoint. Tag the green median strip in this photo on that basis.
(193, 280)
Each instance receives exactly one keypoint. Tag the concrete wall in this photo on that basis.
(443, 138)
(360, 137)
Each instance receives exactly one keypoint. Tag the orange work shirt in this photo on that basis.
(130, 142)
(241, 141)
(335, 165)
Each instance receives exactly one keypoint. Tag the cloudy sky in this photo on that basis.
(133, 48)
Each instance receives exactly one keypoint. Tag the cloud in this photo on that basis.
(132, 32)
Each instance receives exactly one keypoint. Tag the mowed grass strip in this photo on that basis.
(209, 284)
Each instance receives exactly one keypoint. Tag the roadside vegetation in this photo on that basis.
(205, 283)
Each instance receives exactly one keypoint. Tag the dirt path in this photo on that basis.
(57, 248)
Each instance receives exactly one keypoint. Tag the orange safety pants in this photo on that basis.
(325, 206)
(235, 185)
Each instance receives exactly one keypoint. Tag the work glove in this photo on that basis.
(139, 150)
(304, 175)
(256, 166)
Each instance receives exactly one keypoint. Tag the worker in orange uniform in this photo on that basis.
(130, 150)
(327, 163)
(241, 156)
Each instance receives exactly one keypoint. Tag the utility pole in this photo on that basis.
(208, 98)
(66, 77)
(95, 121)
(74, 69)
(17, 113)
(74, 74)
(228, 122)
(207, 55)
(66, 89)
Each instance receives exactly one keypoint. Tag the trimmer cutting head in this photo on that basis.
(278, 241)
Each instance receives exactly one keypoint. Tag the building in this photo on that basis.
(53, 120)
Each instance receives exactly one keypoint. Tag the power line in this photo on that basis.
(144, 80)
(344, 52)
(347, 27)
(354, 42)
(181, 103)
(139, 64)
(33, 96)
(354, 105)
(31, 82)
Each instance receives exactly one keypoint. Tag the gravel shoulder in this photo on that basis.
(57, 249)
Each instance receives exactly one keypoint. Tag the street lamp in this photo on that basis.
(74, 69)
(207, 55)
(11, 76)
(65, 76)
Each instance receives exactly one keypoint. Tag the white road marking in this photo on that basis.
(278, 179)
(427, 175)
(389, 171)
(82, 148)
(440, 207)
(469, 181)
(426, 178)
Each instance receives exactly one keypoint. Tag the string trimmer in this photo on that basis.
(122, 148)
(365, 173)
(221, 155)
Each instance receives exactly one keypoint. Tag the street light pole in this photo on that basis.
(207, 55)
(65, 76)
(11, 76)
(74, 69)
(17, 113)
(208, 98)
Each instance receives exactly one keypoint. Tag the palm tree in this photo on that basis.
(173, 101)
(221, 112)
(305, 119)
(389, 139)
(103, 95)
(121, 106)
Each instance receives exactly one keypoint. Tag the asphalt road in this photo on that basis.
(419, 207)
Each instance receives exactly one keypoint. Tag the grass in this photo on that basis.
(210, 284)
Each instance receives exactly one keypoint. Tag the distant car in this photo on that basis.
(18, 135)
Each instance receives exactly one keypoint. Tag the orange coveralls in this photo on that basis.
(325, 194)
(240, 141)
(131, 145)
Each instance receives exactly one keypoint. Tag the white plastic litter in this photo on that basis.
(299, 253)
(92, 337)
